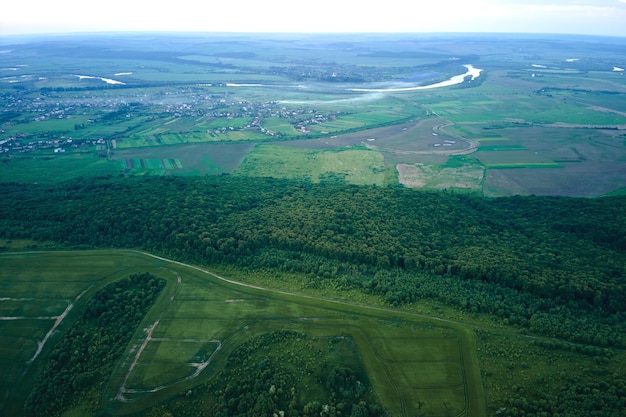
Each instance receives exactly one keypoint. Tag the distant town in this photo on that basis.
(98, 120)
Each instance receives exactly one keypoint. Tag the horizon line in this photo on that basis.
(293, 33)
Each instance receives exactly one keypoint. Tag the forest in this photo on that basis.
(85, 356)
(257, 381)
(553, 266)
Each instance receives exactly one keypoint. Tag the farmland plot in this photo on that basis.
(415, 365)
(354, 166)
(193, 159)
(588, 162)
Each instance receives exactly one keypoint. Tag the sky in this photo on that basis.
(593, 17)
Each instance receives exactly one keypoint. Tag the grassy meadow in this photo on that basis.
(354, 166)
(201, 318)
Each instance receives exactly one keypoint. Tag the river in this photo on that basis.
(457, 79)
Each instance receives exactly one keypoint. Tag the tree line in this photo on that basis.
(553, 265)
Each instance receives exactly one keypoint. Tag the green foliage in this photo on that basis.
(552, 265)
(258, 380)
(344, 383)
(86, 354)
(605, 398)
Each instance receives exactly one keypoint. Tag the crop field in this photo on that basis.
(150, 166)
(41, 287)
(354, 166)
(507, 155)
(524, 158)
(48, 168)
(196, 159)
(513, 165)
(532, 109)
(416, 365)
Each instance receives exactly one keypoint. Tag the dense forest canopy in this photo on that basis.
(552, 265)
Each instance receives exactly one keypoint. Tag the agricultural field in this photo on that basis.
(37, 168)
(556, 160)
(198, 159)
(414, 364)
(562, 111)
(353, 166)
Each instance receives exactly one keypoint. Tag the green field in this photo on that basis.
(46, 168)
(150, 166)
(516, 165)
(529, 108)
(354, 166)
(201, 318)
(502, 148)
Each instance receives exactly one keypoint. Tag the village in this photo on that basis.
(72, 119)
(15, 144)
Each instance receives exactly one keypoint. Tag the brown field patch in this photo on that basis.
(421, 136)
